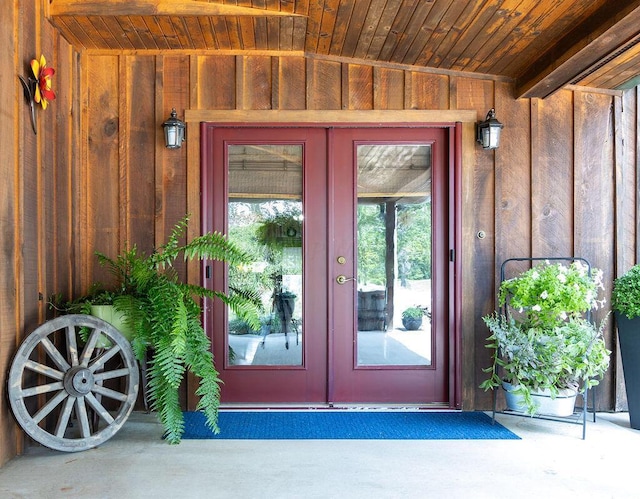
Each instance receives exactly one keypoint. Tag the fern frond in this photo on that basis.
(178, 330)
(200, 362)
(171, 367)
(165, 401)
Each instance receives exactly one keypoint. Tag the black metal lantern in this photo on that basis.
(489, 131)
(173, 131)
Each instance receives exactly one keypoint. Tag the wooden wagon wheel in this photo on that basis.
(69, 400)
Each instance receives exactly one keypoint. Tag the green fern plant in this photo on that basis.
(165, 315)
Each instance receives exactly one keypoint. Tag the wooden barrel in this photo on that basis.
(371, 310)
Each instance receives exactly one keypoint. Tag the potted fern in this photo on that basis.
(164, 315)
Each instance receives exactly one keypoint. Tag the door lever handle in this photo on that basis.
(341, 279)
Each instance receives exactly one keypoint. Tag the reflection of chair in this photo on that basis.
(295, 323)
(283, 305)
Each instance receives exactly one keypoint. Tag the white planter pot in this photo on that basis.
(560, 406)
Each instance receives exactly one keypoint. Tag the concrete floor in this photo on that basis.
(551, 461)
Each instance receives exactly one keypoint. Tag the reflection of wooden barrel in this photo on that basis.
(371, 310)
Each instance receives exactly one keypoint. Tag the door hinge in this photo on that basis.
(207, 272)
(452, 255)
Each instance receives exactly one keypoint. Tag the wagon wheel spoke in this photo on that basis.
(99, 408)
(50, 406)
(55, 355)
(65, 417)
(117, 373)
(72, 345)
(112, 394)
(56, 392)
(83, 417)
(42, 389)
(99, 363)
(43, 369)
(89, 348)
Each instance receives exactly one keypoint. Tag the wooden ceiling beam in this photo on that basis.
(155, 8)
(614, 26)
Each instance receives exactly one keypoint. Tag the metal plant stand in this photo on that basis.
(580, 414)
(69, 399)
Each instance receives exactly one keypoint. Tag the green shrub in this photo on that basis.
(625, 296)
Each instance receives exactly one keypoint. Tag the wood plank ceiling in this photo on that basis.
(542, 45)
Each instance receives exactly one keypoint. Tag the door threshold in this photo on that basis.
(336, 407)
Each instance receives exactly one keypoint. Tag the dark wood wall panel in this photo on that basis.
(626, 121)
(138, 133)
(552, 175)
(388, 88)
(428, 91)
(37, 172)
(357, 90)
(10, 283)
(61, 262)
(513, 179)
(290, 85)
(479, 292)
(101, 172)
(626, 118)
(214, 73)
(171, 174)
(254, 82)
(594, 175)
(324, 84)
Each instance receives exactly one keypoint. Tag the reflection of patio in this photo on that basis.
(393, 347)
(248, 350)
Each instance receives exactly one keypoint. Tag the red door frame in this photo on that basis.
(212, 193)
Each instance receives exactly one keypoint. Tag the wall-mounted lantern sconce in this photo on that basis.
(173, 131)
(489, 131)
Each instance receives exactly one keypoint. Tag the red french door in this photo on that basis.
(351, 229)
(398, 176)
(251, 178)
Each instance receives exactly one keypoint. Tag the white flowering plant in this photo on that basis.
(542, 340)
(550, 293)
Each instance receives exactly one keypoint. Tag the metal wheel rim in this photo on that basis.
(51, 381)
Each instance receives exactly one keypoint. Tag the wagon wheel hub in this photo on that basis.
(78, 381)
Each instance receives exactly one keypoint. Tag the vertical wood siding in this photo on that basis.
(37, 198)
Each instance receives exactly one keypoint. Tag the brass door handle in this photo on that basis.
(341, 279)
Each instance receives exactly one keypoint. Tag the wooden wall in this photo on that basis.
(562, 183)
(36, 187)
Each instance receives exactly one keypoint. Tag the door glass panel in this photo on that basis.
(394, 255)
(265, 219)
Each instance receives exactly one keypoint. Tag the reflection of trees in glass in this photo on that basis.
(266, 229)
(414, 240)
(413, 225)
(371, 244)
